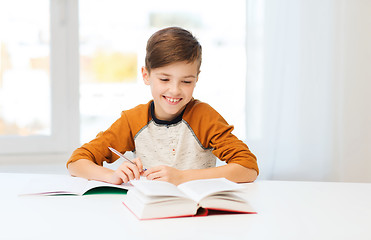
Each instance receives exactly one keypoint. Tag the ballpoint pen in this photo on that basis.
(122, 156)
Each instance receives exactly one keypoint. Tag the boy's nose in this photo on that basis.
(175, 88)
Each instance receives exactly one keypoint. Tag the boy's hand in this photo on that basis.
(164, 173)
(127, 171)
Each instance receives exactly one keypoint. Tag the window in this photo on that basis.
(35, 87)
(24, 65)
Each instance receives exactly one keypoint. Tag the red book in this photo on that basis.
(157, 199)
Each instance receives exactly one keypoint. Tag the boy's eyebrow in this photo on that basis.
(164, 74)
(190, 76)
(169, 75)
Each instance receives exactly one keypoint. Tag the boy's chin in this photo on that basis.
(175, 112)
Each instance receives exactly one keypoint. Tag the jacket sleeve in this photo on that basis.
(118, 136)
(214, 132)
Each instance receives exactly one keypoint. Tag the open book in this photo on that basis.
(67, 185)
(157, 199)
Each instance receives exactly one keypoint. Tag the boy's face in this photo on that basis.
(172, 87)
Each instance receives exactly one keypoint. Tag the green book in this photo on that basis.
(51, 185)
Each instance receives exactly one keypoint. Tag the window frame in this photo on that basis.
(64, 75)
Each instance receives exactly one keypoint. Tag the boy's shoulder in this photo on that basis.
(140, 113)
(199, 108)
(141, 108)
(196, 104)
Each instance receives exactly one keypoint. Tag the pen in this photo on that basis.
(122, 156)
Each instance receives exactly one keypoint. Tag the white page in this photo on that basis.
(54, 184)
(157, 188)
(199, 189)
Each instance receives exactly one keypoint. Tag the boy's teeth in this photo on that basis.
(173, 100)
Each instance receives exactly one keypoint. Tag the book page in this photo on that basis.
(54, 185)
(154, 207)
(227, 202)
(199, 189)
(157, 188)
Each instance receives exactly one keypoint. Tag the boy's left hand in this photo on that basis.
(164, 173)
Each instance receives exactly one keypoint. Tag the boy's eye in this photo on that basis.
(187, 81)
(164, 79)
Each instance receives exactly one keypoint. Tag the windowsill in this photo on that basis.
(34, 163)
(34, 168)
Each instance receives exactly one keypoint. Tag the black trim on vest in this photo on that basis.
(162, 122)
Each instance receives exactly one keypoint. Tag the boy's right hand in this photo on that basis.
(127, 171)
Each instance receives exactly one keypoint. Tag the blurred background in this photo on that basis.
(293, 77)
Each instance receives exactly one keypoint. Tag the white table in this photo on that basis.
(286, 210)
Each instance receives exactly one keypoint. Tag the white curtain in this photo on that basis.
(309, 89)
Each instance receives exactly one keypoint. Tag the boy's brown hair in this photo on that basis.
(171, 45)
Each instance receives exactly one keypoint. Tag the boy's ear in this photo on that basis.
(145, 75)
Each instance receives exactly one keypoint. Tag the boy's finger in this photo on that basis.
(149, 171)
(153, 172)
(134, 169)
(128, 172)
(139, 164)
(154, 175)
(122, 175)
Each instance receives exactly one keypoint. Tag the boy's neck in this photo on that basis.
(162, 122)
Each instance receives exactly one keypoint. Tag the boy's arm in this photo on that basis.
(213, 132)
(232, 171)
(87, 161)
(124, 173)
(87, 169)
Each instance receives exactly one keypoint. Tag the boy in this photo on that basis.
(174, 136)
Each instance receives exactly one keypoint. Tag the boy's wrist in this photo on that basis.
(187, 175)
(110, 176)
(182, 177)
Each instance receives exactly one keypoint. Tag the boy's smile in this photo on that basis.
(172, 100)
(172, 87)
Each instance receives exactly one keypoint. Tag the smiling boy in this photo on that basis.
(174, 136)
